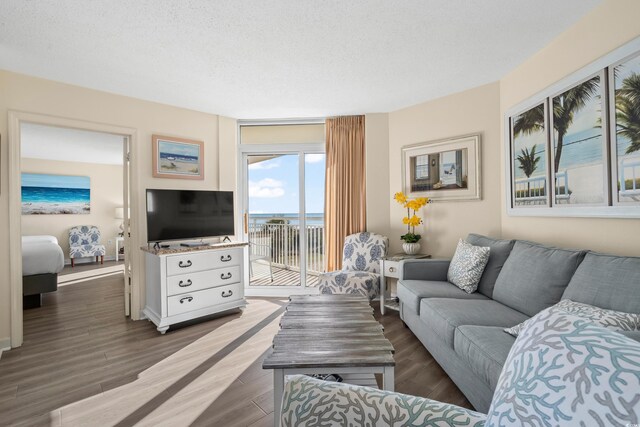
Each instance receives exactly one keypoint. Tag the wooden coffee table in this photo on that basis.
(329, 334)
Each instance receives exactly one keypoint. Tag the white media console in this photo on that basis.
(184, 283)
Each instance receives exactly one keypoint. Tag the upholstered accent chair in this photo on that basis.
(360, 272)
(84, 241)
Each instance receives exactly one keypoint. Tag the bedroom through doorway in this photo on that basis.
(74, 211)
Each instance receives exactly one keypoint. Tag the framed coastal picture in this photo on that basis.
(177, 158)
(624, 81)
(443, 170)
(578, 146)
(44, 194)
(528, 157)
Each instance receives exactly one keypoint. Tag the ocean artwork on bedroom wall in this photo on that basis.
(44, 194)
(177, 158)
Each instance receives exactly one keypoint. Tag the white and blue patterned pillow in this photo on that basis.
(310, 402)
(565, 370)
(467, 266)
(610, 319)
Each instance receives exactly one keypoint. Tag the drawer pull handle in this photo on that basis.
(228, 276)
(227, 295)
(392, 269)
(225, 258)
(185, 265)
(185, 284)
(187, 299)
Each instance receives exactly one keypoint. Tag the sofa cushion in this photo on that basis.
(444, 315)
(467, 266)
(500, 250)
(410, 292)
(565, 370)
(484, 349)
(534, 277)
(607, 281)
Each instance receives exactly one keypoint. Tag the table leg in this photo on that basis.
(388, 380)
(383, 286)
(278, 390)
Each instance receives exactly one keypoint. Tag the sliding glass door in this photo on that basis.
(283, 206)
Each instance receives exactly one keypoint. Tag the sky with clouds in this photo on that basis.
(274, 184)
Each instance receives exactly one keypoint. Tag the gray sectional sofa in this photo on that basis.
(465, 332)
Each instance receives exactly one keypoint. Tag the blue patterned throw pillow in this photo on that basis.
(467, 266)
(610, 319)
(565, 370)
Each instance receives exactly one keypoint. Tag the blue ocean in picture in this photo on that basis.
(178, 157)
(44, 194)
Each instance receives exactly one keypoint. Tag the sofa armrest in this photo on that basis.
(329, 403)
(424, 269)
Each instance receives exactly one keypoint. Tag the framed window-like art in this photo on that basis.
(624, 81)
(177, 158)
(443, 170)
(574, 149)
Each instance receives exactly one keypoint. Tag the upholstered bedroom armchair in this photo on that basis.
(84, 241)
(360, 272)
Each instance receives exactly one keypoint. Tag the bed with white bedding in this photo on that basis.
(42, 260)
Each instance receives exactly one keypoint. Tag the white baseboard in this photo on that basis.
(5, 344)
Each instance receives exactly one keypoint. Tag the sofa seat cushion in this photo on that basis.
(410, 292)
(443, 315)
(485, 349)
(607, 281)
(534, 277)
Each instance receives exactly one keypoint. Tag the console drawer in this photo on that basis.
(206, 298)
(197, 281)
(200, 261)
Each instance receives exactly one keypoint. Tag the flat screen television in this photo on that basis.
(188, 214)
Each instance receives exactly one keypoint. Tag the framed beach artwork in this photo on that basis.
(443, 170)
(624, 80)
(177, 158)
(44, 194)
(579, 148)
(528, 154)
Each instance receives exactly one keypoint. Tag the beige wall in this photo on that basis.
(377, 152)
(106, 195)
(473, 111)
(23, 93)
(607, 27)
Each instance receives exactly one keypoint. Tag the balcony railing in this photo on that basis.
(279, 239)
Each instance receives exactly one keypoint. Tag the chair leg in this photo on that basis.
(101, 259)
(97, 258)
(250, 269)
(71, 262)
(271, 270)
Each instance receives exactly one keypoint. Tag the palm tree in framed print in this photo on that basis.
(628, 111)
(565, 107)
(528, 160)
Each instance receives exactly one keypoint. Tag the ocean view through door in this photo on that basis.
(284, 219)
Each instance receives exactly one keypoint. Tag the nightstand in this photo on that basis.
(119, 242)
(390, 267)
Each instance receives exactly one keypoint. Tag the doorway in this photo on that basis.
(17, 122)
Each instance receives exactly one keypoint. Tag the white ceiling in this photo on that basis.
(279, 58)
(70, 145)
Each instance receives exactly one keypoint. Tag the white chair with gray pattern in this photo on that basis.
(360, 272)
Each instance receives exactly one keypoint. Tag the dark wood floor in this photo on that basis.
(83, 363)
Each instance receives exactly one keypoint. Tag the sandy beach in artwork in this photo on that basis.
(43, 208)
(180, 167)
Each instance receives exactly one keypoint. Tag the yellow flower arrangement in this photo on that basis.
(411, 221)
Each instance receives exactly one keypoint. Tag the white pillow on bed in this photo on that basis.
(39, 239)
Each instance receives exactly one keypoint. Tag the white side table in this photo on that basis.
(390, 267)
(119, 242)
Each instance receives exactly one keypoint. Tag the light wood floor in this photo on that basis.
(84, 364)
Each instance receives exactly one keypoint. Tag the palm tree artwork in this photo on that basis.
(565, 107)
(628, 111)
(528, 163)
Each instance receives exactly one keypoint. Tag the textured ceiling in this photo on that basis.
(70, 145)
(275, 59)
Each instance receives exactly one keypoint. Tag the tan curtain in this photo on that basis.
(345, 185)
